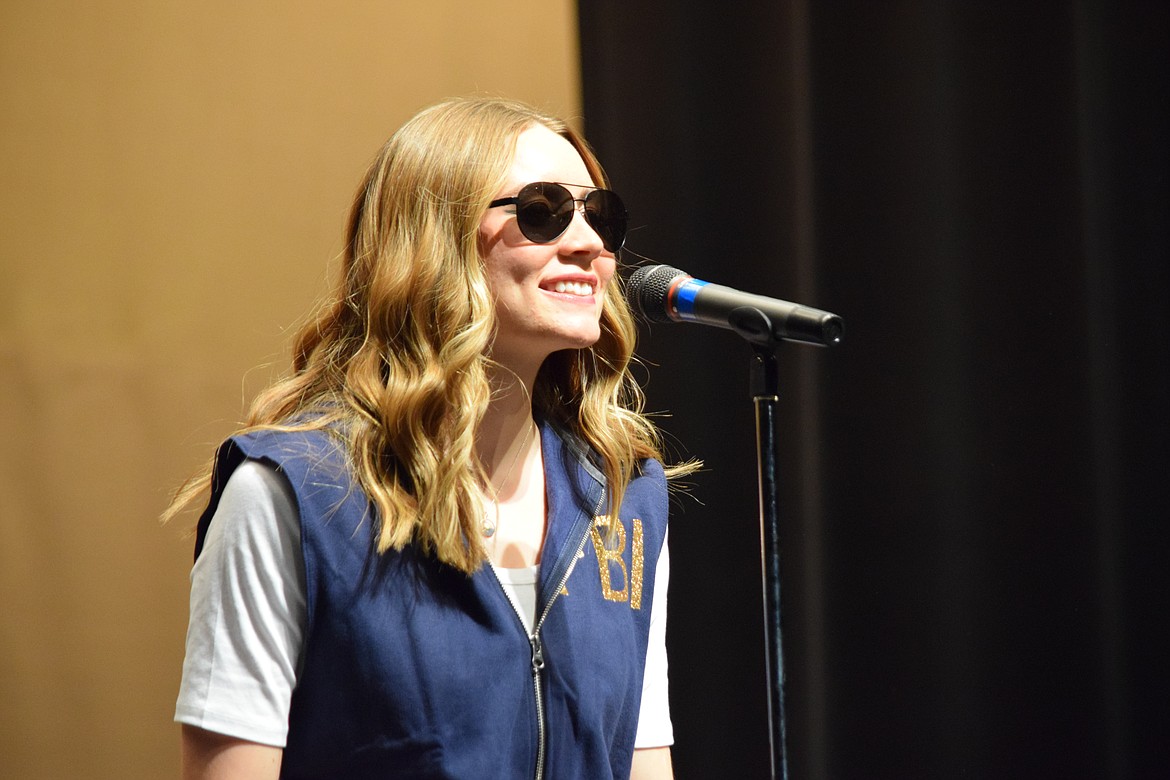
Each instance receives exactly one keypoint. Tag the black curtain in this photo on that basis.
(975, 482)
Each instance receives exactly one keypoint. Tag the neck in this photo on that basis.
(508, 447)
(507, 423)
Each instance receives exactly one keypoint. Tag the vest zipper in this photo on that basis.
(538, 647)
(537, 668)
(538, 656)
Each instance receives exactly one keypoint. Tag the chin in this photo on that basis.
(584, 339)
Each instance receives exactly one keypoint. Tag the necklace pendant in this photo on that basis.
(488, 530)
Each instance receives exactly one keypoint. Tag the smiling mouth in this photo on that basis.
(582, 289)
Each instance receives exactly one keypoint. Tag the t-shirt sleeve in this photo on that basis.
(654, 726)
(248, 614)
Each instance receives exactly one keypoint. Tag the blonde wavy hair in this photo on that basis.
(396, 362)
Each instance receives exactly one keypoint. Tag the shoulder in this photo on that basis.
(650, 477)
(301, 454)
(652, 469)
(280, 444)
(575, 449)
(304, 458)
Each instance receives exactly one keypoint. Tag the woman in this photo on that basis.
(410, 565)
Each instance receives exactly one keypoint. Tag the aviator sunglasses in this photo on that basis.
(544, 210)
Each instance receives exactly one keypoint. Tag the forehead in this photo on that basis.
(542, 155)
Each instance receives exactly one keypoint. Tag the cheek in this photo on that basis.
(496, 255)
(506, 275)
(605, 267)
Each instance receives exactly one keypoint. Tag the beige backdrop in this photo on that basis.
(174, 181)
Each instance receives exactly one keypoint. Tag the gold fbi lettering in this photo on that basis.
(608, 558)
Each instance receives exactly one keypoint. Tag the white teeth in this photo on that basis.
(574, 288)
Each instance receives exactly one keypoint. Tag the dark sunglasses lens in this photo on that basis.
(543, 211)
(607, 215)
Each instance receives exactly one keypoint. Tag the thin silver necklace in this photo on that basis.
(490, 524)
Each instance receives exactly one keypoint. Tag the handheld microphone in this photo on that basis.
(664, 294)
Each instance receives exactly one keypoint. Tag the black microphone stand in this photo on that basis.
(755, 327)
(652, 290)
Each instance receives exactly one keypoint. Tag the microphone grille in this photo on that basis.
(647, 291)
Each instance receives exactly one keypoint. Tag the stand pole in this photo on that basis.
(755, 327)
(765, 393)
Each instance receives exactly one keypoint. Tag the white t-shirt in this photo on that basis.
(248, 614)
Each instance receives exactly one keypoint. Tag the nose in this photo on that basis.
(580, 237)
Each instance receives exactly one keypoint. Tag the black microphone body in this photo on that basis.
(665, 294)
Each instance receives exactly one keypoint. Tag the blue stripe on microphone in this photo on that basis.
(684, 298)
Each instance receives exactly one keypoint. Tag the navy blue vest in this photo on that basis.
(412, 669)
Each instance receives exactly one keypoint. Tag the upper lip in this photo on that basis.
(589, 279)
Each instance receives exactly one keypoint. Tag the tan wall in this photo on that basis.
(173, 183)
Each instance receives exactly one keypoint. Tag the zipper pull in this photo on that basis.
(537, 652)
